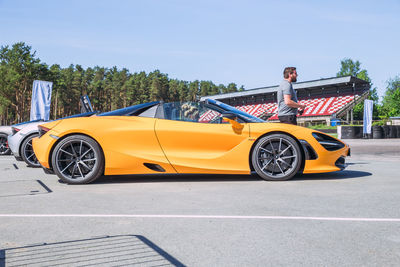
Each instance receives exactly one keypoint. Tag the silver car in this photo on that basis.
(20, 142)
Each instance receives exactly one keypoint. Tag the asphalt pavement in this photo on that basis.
(344, 218)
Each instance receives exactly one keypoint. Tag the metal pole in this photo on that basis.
(351, 116)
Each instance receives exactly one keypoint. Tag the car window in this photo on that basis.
(191, 111)
(150, 113)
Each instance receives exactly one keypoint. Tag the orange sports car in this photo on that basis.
(207, 137)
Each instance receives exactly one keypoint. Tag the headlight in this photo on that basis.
(14, 130)
(328, 142)
(42, 130)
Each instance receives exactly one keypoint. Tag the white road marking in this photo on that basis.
(166, 216)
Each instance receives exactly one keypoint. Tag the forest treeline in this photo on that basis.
(108, 88)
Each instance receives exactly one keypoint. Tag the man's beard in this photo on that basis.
(294, 79)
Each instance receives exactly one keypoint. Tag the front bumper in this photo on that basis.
(14, 143)
(326, 161)
(42, 147)
(341, 163)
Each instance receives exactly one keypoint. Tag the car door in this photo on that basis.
(201, 147)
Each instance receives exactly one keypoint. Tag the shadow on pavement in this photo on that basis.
(168, 178)
(346, 174)
(120, 250)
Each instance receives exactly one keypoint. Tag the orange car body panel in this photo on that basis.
(205, 147)
(177, 146)
(127, 142)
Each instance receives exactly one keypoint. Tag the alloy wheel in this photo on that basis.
(28, 153)
(276, 157)
(4, 148)
(76, 159)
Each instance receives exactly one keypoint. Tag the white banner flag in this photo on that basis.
(41, 100)
(368, 108)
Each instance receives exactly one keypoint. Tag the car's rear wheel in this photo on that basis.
(27, 153)
(276, 157)
(78, 159)
(4, 148)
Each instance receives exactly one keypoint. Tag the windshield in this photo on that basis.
(245, 116)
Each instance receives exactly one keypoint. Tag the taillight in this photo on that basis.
(42, 130)
(14, 130)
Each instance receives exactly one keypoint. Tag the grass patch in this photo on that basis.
(333, 135)
(322, 126)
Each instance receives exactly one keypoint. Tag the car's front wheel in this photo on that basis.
(276, 157)
(78, 159)
(27, 153)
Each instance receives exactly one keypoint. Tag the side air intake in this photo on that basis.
(154, 167)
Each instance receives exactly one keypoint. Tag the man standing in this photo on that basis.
(287, 98)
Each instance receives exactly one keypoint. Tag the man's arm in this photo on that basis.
(290, 103)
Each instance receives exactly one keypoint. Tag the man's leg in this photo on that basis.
(289, 119)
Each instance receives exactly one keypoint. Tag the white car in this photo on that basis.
(20, 141)
(4, 132)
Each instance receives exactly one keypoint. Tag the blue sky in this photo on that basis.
(245, 42)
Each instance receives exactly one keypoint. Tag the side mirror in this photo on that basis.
(231, 118)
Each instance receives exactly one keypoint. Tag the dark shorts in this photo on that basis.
(290, 119)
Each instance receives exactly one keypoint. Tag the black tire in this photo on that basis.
(4, 148)
(78, 159)
(27, 153)
(276, 157)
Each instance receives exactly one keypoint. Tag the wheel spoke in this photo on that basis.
(80, 171)
(280, 144)
(279, 166)
(270, 152)
(283, 152)
(80, 149)
(30, 156)
(272, 146)
(67, 166)
(73, 150)
(86, 166)
(289, 157)
(86, 160)
(73, 170)
(263, 168)
(285, 162)
(66, 152)
(87, 151)
(273, 167)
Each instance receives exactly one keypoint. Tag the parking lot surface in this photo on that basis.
(344, 218)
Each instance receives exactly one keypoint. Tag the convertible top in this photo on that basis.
(129, 111)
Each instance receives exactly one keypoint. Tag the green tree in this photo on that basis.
(19, 67)
(391, 100)
(232, 87)
(174, 90)
(56, 78)
(353, 68)
(194, 89)
(96, 88)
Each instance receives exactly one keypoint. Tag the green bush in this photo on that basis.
(321, 126)
(379, 123)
